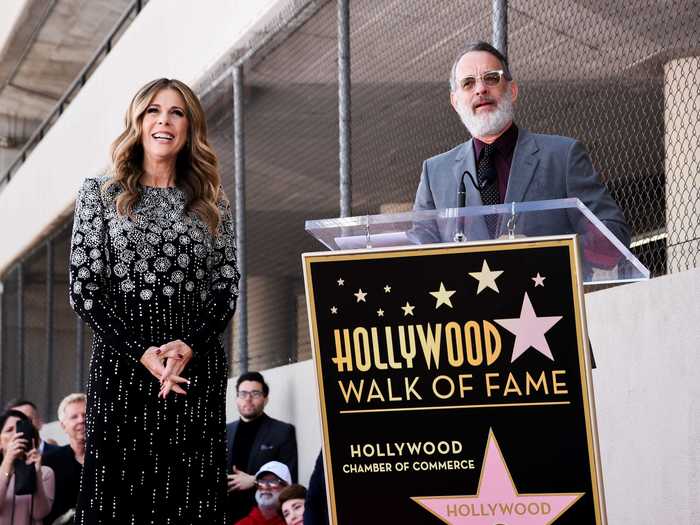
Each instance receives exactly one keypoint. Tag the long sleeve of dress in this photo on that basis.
(220, 304)
(89, 267)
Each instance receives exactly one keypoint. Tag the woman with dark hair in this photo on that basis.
(292, 504)
(153, 271)
(14, 447)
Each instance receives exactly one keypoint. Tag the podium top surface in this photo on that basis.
(604, 258)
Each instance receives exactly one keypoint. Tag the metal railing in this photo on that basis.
(105, 48)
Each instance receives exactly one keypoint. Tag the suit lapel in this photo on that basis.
(464, 161)
(522, 167)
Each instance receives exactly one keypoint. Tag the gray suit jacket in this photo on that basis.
(543, 167)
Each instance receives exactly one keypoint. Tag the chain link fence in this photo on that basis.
(41, 358)
(603, 72)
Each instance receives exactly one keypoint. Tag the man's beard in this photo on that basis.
(267, 500)
(489, 122)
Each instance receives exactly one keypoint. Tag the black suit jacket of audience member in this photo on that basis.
(275, 441)
(316, 507)
(67, 472)
(48, 449)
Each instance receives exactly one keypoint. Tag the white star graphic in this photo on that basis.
(341, 282)
(408, 309)
(486, 278)
(334, 309)
(539, 280)
(360, 295)
(529, 330)
(443, 296)
(380, 313)
(387, 289)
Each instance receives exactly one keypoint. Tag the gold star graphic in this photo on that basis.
(408, 309)
(443, 296)
(486, 278)
(380, 313)
(360, 295)
(387, 289)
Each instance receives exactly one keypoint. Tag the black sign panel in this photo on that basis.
(455, 385)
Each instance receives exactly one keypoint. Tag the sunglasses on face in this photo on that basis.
(489, 78)
(270, 483)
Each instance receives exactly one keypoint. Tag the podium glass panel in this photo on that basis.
(604, 258)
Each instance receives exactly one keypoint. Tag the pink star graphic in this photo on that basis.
(497, 500)
(529, 330)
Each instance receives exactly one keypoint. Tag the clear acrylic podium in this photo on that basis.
(604, 259)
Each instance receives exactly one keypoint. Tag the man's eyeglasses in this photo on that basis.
(244, 394)
(489, 78)
(270, 483)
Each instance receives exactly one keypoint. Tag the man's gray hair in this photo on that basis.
(68, 400)
(478, 46)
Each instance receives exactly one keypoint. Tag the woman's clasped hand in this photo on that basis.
(166, 363)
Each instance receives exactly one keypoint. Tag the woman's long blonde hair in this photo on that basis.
(197, 169)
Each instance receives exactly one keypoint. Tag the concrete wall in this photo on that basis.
(10, 12)
(646, 338)
(170, 38)
(681, 128)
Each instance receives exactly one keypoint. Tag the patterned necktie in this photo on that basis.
(488, 177)
(488, 185)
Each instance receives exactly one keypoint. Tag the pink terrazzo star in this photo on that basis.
(529, 330)
(497, 499)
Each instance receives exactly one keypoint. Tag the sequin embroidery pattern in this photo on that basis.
(143, 281)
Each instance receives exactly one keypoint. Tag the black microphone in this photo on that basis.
(462, 195)
(461, 203)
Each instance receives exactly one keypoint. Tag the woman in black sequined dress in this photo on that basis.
(153, 272)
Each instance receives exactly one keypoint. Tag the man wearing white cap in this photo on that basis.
(270, 479)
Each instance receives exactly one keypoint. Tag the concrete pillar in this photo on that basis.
(35, 355)
(303, 335)
(682, 145)
(271, 306)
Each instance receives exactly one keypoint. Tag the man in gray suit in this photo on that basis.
(252, 441)
(503, 163)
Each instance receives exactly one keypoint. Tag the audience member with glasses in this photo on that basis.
(252, 441)
(504, 163)
(270, 480)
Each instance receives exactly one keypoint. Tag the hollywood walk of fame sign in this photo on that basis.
(455, 384)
